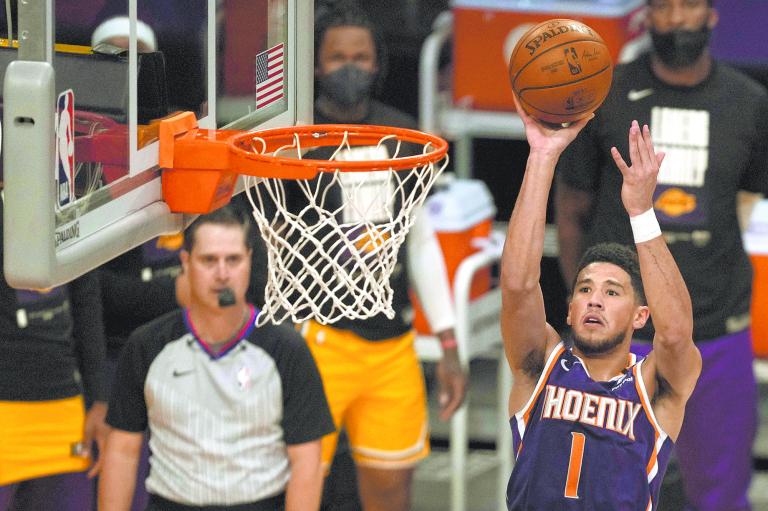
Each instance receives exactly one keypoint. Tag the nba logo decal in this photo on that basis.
(573, 60)
(65, 148)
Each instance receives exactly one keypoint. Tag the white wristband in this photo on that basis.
(645, 226)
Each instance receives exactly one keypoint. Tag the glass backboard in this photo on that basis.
(80, 152)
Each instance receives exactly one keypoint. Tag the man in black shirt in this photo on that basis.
(51, 358)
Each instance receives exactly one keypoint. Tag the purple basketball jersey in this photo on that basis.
(582, 444)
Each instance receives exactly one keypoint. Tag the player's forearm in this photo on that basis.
(666, 292)
(305, 488)
(117, 481)
(88, 333)
(524, 246)
(447, 339)
(428, 274)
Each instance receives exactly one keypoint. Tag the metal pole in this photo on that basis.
(35, 30)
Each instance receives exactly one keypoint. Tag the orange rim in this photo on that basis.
(243, 146)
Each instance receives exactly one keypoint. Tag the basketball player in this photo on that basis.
(386, 419)
(51, 363)
(235, 412)
(593, 425)
(712, 122)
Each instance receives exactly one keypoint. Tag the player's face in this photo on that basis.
(603, 311)
(346, 45)
(667, 15)
(219, 259)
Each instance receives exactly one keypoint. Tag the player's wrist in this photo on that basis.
(448, 343)
(544, 154)
(645, 226)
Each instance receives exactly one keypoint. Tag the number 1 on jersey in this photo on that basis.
(574, 466)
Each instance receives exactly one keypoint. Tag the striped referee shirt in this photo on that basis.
(219, 422)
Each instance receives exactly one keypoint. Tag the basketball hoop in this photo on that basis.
(333, 226)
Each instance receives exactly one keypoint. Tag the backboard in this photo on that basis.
(80, 152)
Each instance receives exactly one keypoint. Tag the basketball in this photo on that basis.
(561, 71)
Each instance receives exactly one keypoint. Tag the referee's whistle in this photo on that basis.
(226, 297)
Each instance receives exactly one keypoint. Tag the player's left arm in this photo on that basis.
(305, 421)
(88, 333)
(674, 366)
(429, 277)
(90, 350)
(305, 487)
(117, 480)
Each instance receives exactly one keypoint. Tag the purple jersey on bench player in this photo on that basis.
(582, 444)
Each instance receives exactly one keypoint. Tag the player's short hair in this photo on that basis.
(227, 216)
(623, 256)
(348, 13)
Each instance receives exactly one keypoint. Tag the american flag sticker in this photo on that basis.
(270, 76)
(65, 148)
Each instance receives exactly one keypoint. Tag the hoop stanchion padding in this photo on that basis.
(332, 226)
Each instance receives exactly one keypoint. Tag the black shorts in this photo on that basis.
(276, 503)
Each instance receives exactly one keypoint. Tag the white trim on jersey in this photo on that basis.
(646, 399)
(661, 435)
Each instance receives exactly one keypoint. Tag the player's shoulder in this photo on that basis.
(738, 81)
(147, 341)
(161, 329)
(277, 339)
(631, 69)
(387, 115)
(630, 79)
(286, 347)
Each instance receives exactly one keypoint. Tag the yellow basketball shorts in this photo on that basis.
(40, 438)
(376, 392)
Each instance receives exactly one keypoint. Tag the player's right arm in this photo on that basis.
(526, 334)
(127, 418)
(305, 487)
(117, 479)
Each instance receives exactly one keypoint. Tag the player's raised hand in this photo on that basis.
(639, 178)
(547, 138)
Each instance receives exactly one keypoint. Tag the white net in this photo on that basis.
(333, 241)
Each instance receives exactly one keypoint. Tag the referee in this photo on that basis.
(235, 412)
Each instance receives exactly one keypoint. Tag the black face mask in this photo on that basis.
(348, 86)
(680, 48)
